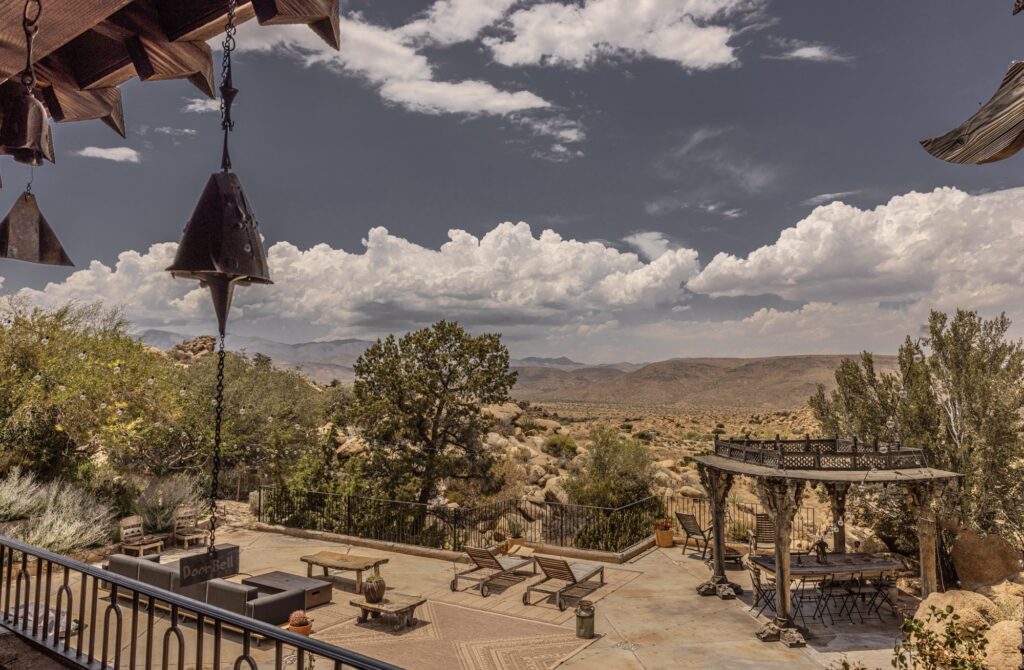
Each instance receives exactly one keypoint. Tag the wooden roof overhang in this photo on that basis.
(900, 476)
(86, 49)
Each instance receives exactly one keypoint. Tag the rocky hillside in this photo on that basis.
(781, 382)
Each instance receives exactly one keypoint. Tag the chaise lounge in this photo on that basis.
(573, 574)
(498, 566)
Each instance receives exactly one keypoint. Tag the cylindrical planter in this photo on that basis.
(585, 620)
(373, 590)
(664, 538)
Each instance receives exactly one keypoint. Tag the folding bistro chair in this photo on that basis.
(496, 567)
(572, 574)
(763, 590)
(690, 526)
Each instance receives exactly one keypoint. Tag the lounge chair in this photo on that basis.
(495, 567)
(186, 527)
(135, 539)
(690, 526)
(762, 537)
(573, 574)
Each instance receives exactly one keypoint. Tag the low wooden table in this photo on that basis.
(332, 560)
(401, 605)
(317, 591)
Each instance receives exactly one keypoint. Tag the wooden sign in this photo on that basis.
(221, 562)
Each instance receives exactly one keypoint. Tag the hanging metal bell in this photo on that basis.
(26, 236)
(221, 245)
(25, 131)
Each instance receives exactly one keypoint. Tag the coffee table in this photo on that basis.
(317, 592)
(401, 605)
(335, 561)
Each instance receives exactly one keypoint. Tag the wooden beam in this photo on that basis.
(60, 23)
(198, 20)
(67, 102)
(156, 58)
(921, 498)
(97, 59)
(322, 16)
(837, 503)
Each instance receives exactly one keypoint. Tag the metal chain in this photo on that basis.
(218, 418)
(227, 90)
(30, 22)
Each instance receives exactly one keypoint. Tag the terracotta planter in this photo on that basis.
(664, 538)
(302, 630)
(516, 541)
(373, 590)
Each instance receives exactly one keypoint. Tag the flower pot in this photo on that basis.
(302, 630)
(664, 538)
(516, 541)
(373, 590)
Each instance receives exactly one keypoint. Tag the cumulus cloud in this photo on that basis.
(823, 198)
(651, 244)
(116, 154)
(812, 51)
(693, 34)
(508, 277)
(201, 106)
(453, 21)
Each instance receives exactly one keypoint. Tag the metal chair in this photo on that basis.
(763, 590)
(691, 528)
(762, 534)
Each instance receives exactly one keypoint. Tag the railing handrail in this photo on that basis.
(245, 623)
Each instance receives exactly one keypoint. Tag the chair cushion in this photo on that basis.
(160, 576)
(124, 565)
(229, 596)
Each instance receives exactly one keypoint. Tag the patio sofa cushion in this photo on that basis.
(154, 574)
(229, 596)
(124, 565)
(275, 608)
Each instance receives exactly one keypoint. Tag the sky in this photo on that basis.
(611, 180)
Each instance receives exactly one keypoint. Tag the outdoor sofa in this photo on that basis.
(247, 601)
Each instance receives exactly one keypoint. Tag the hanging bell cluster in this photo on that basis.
(25, 131)
(221, 245)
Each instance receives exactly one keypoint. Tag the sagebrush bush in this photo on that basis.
(161, 499)
(70, 519)
(21, 495)
(560, 446)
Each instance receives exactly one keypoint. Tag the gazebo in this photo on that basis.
(782, 469)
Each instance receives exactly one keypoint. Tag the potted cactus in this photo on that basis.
(299, 623)
(663, 535)
(515, 533)
(374, 587)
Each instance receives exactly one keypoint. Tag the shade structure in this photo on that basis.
(221, 245)
(26, 236)
(994, 132)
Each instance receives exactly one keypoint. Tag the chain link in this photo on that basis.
(218, 418)
(227, 90)
(30, 22)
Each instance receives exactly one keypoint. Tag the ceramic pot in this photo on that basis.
(664, 538)
(302, 630)
(373, 590)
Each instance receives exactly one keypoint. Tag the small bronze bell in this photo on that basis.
(26, 236)
(221, 246)
(25, 132)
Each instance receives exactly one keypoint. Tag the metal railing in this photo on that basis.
(821, 454)
(55, 603)
(444, 527)
(741, 518)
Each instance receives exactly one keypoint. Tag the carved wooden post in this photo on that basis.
(717, 483)
(782, 497)
(837, 501)
(921, 496)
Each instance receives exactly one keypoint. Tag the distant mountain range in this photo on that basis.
(780, 382)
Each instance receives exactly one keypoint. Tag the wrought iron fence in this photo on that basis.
(450, 527)
(98, 620)
(740, 518)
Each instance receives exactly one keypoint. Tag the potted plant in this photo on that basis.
(663, 535)
(515, 533)
(374, 587)
(299, 623)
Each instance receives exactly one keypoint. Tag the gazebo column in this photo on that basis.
(921, 497)
(717, 483)
(837, 501)
(782, 497)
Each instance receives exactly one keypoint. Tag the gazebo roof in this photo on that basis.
(87, 48)
(822, 460)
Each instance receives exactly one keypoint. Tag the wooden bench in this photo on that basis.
(135, 539)
(332, 560)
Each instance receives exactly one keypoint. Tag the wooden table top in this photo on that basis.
(332, 559)
(393, 602)
(801, 565)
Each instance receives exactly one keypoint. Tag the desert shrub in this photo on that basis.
(21, 496)
(560, 446)
(530, 426)
(162, 497)
(718, 431)
(618, 470)
(646, 435)
(117, 491)
(71, 519)
(522, 454)
(958, 647)
(738, 531)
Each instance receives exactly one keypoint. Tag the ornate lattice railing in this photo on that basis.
(821, 454)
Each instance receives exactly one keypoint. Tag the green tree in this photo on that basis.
(417, 403)
(617, 470)
(958, 395)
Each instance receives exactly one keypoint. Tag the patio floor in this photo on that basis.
(648, 616)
